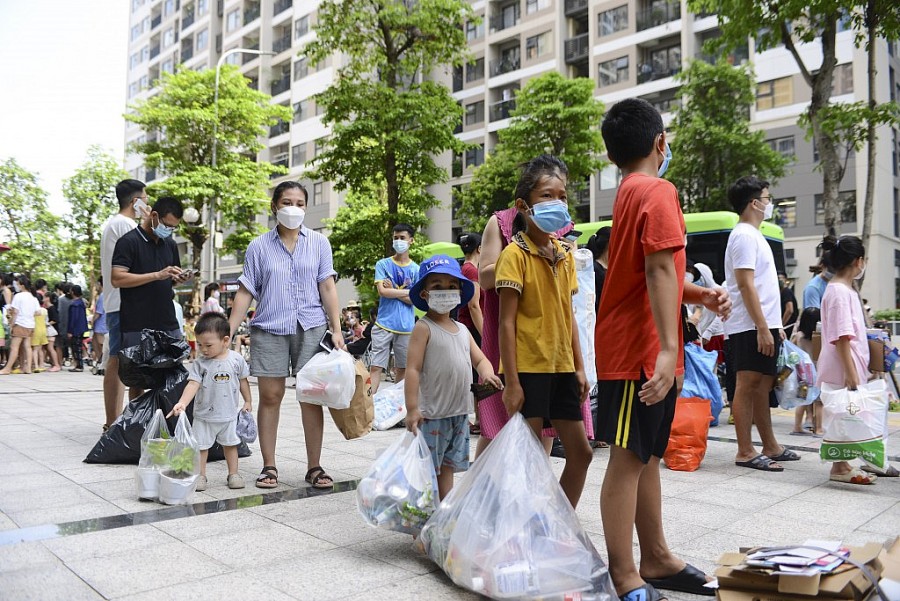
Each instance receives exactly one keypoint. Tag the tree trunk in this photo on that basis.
(871, 135)
(832, 169)
(393, 192)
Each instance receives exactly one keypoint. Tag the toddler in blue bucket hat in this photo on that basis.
(439, 368)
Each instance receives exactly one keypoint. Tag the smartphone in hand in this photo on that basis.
(327, 344)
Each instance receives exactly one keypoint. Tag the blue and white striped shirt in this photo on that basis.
(285, 285)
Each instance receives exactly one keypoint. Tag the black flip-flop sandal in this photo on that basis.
(760, 462)
(316, 477)
(786, 455)
(268, 472)
(688, 580)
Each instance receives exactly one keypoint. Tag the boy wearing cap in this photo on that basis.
(439, 368)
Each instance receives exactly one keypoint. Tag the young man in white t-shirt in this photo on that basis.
(132, 196)
(754, 329)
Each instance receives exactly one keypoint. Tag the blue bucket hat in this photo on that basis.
(440, 264)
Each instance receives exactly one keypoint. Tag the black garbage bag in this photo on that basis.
(122, 442)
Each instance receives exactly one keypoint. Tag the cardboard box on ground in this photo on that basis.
(846, 583)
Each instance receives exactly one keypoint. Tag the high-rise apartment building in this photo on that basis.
(627, 47)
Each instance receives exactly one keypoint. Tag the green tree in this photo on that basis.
(388, 119)
(91, 192)
(358, 233)
(180, 121)
(713, 145)
(28, 226)
(792, 23)
(553, 114)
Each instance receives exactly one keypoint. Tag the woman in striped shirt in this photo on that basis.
(288, 270)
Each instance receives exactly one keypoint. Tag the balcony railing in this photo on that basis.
(281, 85)
(505, 19)
(246, 58)
(154, 52)
(650, 73)
(282, 44)
(282, 5)
(738, 56)
(186, 53)
(502, 109)
(156, 22)
(187, 21)
(457, 80)
(651, 17)
(251, 14)
(574, 7)
(282, 127)
(505, 65)
(576, 48)
(474, 72)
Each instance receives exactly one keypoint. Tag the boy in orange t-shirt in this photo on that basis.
(639, 352)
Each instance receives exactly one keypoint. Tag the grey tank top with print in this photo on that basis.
(445, 382)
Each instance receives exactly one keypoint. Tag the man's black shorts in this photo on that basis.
(625, 421)
(745, 356)
(551, 396)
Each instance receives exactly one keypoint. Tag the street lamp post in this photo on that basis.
(212, 205)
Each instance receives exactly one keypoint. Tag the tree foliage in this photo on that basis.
(387, 122)
(28, 226)
(713, 145)
(92, 196)
(180, 124)
(553, 114)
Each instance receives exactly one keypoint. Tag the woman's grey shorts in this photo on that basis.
(280, 356)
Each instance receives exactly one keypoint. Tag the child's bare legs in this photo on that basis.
(578, 457)
(445, 481)
(818, 409)
(231, 459)
(798, 418)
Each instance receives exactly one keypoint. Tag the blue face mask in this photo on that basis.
(551, 215)
(665, 163)
(163, 231)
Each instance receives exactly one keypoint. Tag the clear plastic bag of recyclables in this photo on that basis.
(328, 379)
(155, 445)
(179, 479)
(507, 531)
(399, 491)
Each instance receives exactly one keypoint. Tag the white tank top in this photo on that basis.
(445, 382)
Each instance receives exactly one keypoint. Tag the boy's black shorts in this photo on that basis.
(551, 396)
(625, 421)
(743, 350)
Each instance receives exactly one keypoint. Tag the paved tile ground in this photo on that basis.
(318, 548)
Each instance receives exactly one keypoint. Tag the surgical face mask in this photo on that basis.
(860, 275)
(215, 294)
(163, 231)
(768, 211)
(551, 215)
(443, 301)
(400, 246)
(290, 217)
(665, 163)
(16, 286)
(141, 208)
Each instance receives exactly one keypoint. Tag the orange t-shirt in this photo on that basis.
(647, 219)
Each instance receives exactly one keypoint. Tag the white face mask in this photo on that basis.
(215, 294)
(768, 211)
(443, 301)
(16, 286)
(290, 217)
(400, 246)
(860, 275)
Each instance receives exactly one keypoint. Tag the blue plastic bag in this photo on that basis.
(700, 378)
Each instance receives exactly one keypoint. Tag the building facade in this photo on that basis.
(627, 47)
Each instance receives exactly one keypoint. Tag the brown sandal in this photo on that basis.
(317, 478)
(269, 472)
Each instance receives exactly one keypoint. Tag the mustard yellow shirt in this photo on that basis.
(544, 318)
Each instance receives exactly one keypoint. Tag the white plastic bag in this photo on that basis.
(585, 313)
(400, 489)
(507, 531)
(328, 379)
(180, 479)
(854, 422)
(390, 406)
(155, 444)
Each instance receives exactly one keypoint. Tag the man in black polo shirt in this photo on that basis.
(144, 264)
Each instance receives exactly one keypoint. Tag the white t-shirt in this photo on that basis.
(117, 226)
(219, 397)
(26, 306)
(748, 249)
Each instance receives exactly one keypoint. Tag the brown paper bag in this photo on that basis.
(356, 421)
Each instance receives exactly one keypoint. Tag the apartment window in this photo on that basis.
(475, 113)
(846, 207)
(318, 193)
(318, 147)
(896, 213)
(202, 7)
(842, 83)
(233, 20)
(145, 24)
(786, 212)
(144, 82)
(614, 71)
(301, 69)
(784, 146)
(298, 155)
(133, 60)
(475, 70)
(532, 6)
(538, 45)
(610, 177)
(135, 32)
(233, 59)
(202, 40)
(320, 108)
(301, 26)
(168, 66)
(613, 20)
(145, 53)
(474, 30)
(168, 37)
(136, 4)
(133, 89)
(665, 62)
(474, 156)
(774, 93)
(168, 7)
(301, 110)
